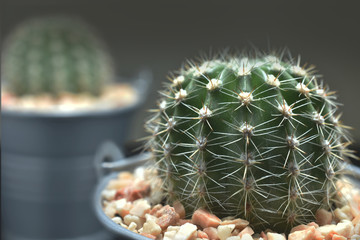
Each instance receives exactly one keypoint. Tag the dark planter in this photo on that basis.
(47, 169)
(121, 233)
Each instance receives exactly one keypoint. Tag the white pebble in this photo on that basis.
(341, 215)
(326, 229)
(275, 236)
(122, 205)
(169, 235)
(152, 228)
(128, 219)
(224, 231)
(117, 220)
(357, 229)
(173, 228)
(233, 238)
(347, 210)
(185, 232)
(344, 228)
(132, 227)
(140, 173)
(246, 236)
(149, 217)
(110, 210)
(140, 208)
(108, 194)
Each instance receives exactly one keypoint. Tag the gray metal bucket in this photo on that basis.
(47, 169)
(353, 175)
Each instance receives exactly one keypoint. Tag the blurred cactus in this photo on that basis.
(251, 137)
(54, 55)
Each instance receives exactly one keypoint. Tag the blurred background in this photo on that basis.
(162, 34)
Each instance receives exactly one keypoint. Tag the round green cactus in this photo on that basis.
(53, 55)
(250, 137)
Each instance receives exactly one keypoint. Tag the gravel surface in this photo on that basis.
(132, 201)
(113, 96)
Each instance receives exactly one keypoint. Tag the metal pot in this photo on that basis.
(47, 169)
(129, 165)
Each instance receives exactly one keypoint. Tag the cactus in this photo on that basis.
(251, 137)
(54, 55)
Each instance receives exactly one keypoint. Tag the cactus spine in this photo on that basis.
(250, 137)
(54, 55)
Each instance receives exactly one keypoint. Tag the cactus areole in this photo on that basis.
(250, 137)
(54, 55)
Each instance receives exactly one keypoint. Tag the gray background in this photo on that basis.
(162, 34)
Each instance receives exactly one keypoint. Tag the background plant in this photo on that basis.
(54, 55)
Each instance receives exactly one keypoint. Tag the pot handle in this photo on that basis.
(143, 83)
(109, 158)
(353, 171)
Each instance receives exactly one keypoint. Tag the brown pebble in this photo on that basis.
(132, 193)
(299, 228)
(179, 208)
(313, 224)
(205, 219)
(166, 217)
(201, 234)
(212, 233)
(263, 235)
(247, 230)
(323, 217)
(239, 223)
(307, 234)
(156, 208)
(235, 232)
